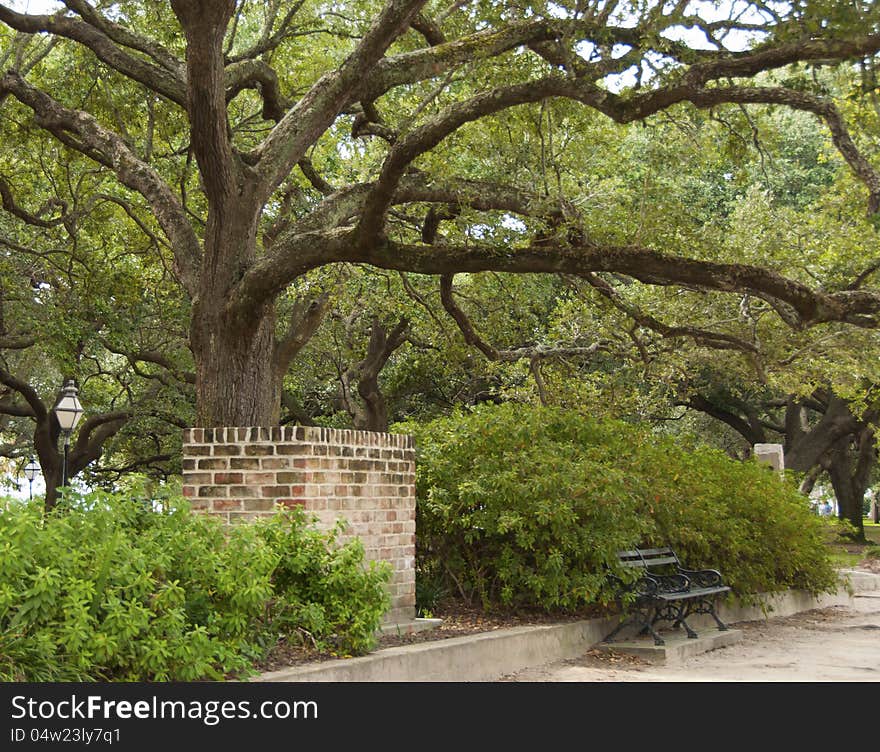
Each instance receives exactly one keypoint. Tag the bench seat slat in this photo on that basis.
(661, 560)
(678, 595)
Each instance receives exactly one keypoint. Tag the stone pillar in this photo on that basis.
(364, 477)
(770, 454)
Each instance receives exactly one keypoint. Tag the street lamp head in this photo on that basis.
(32, 469)
(68, 410)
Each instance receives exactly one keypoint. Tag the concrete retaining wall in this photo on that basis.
(490, 655)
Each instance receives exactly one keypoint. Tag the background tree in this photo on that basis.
(230, 121)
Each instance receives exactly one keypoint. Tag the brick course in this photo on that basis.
(364, 477)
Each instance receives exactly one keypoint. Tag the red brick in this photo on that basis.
(289, 477)
(227, 478)
(259, 505)
(223, 450)
(291, 503)
(244, 463)
(269, 491)
(213, 491)
(259, 450)
(226, 504)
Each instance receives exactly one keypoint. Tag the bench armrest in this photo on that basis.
(672, 583)
(703, 577)
(645, 585)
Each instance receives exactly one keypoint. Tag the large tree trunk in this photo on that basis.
(850, 471)
(804, 448)
(237, 383)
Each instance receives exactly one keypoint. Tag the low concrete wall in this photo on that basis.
(489, 655)
(480, 657)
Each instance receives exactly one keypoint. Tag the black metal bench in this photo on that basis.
(664, 591)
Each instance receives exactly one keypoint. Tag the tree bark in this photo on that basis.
(236, 380)
(850, 467)
(806, 448)
(369, 410)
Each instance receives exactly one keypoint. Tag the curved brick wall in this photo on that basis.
(364, 477)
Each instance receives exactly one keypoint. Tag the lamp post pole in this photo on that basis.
(64, 464)
(68, 411)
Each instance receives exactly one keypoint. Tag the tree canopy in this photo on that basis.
(260, 141)
(241, 213)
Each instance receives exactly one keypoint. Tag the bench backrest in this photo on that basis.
(646, 558)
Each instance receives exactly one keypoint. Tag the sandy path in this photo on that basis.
(841, 643)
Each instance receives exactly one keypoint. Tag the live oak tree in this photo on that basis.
(85, 319)
(84, 295)
(293, 134)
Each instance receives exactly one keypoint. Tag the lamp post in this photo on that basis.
(68, 411)
(31, 471)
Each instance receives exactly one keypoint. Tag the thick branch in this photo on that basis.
(304, 322)
(92, 436)
(81, 131)
(752, 433)
(204, 25)
(256, 74)
(314, 113)
(38, 409)
(649, 266)
(165, 79)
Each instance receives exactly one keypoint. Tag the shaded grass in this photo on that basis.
(844, 552)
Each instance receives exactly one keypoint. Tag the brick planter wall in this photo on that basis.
(364, 477)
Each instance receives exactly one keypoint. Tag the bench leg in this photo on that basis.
(722, 627)
(640, 617)
(690, 632)
(658, 640)
(707, 607)
(674, 612)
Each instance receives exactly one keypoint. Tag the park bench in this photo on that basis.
(664, 591)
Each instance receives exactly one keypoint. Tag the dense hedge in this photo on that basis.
(112, 588)
(522, 506)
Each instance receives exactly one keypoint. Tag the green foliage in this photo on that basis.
(521, 506)
(116, 588)
(323, 588)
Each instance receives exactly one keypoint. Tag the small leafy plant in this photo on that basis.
(125, 587)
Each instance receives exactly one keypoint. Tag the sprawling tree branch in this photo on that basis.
(649, 266)
(315, 111)
(83, 132)
(104, 39)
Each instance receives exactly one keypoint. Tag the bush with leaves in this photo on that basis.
(324, 591)
(120, 588)
(527, 507)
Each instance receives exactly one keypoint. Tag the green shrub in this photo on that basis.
(522, 506)
(110, 588)
(324, 591)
